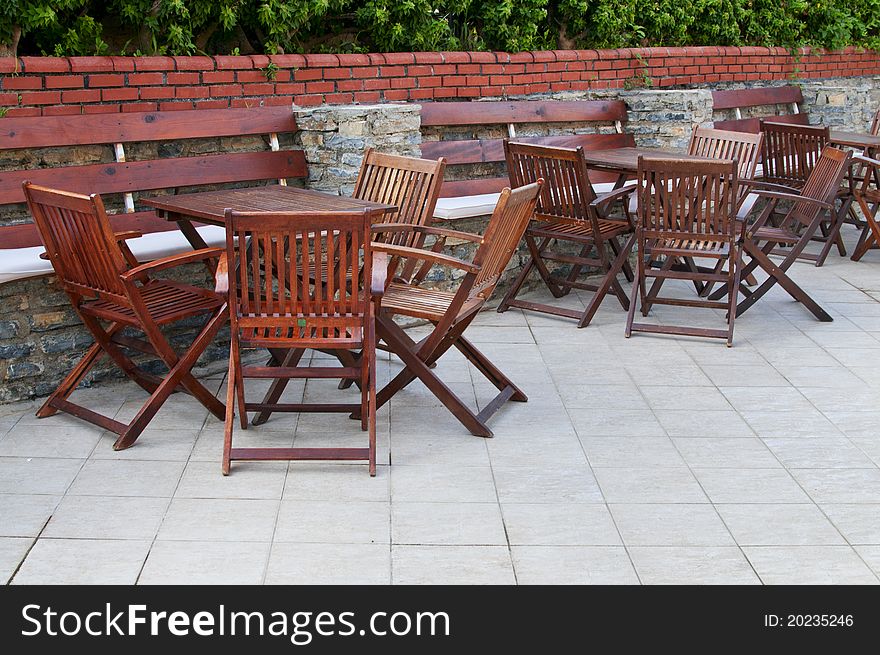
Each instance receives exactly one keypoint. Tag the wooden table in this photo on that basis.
(861, 140)
(209, 207)
(625, 161)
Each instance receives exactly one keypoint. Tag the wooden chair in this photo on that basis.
(452, 311)
(277, 304)
(686, 209)
(110, 292)
(867, 194)
(808, 209)
(568, 211)
(789, 154)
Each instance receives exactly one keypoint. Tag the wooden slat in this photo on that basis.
(47, 131)
(124, 177)
(26, 236)
(738, 98)
(523, 111)
(478, 186)
(753, 125)
(492, 150)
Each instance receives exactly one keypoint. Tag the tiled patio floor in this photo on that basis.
(649, 460)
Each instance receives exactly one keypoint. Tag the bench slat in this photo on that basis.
(771, 95)
(26, 235)
(492, 150)
(753, 125)
(136, 176)
(523, 111)
(458, 188)
(50, 131)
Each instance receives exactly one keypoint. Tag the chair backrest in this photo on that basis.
(686, 199)
(410, 184)
(736, 100)
(875, 124)
(298, 276)
(790, 152)
(567, 191)
(79, 242)
(822, 184)
(744, 147)
(502, 236)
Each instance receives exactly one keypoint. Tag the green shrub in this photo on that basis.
(180, 27)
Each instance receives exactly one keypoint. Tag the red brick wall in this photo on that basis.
(32, 86)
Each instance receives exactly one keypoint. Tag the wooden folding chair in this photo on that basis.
(568, 211)
(790, 153)
(277, 304)
(867, 195)
(452, 311)
(808, 209)
(686, 209)
(110, 291)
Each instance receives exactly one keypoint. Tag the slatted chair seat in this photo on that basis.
(165, 300)
(581, 231)
(777, 234)
(419, 302)
(691, 247)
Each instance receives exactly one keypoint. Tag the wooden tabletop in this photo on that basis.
(626, 160)
(210, 206)
(854, 139)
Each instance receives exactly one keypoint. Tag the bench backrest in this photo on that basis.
(511, 115)
(127, 177)
(739, 99)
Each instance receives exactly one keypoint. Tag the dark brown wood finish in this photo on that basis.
(686, 209)
(568, 211)
(738, 99)
(867, 195)
(104, 283)
(302, 280)
(451, 312)
(808, 208)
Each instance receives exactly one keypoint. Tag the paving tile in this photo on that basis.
(24, 515)
(549, 484)
(613, 423)
(871, 556)
(808, 423)
(779, 525)
(190, 519)
(37, 475)
(339, 482)
(700, 565)
(442, 484)
(725, 452)
(102, 477)
(12, 552)
(82, 561)
(818, 452)
(632, 452)
(560, 524)
(478, 524)
(858, 523)
(46, 440)
(318, 521)
(205, 562)
(329, 564)
(649, 485)
(559, 565)
(809, 565)
(258, 480)
(727, 485)
(156, 444)
(670, 525)
(681, 423)
(97, 517)
(840, 485)
(447, 565)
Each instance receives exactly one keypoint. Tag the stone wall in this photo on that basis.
(666, 118)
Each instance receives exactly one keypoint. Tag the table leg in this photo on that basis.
(195, 239)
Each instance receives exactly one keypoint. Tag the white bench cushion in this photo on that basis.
(483, 204)
(19, 263)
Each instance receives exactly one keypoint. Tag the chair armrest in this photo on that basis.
(611, 196)
(380, 274)
(794, 197)
(128, 234)
(221, 275)
(424, 229)
(862, 159)
(144, 270)
(426, 255)
(770, 186)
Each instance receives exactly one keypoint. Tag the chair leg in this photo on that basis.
(229, 423)
(734, 264)
(609, 281)
(834, 237)
(637, 286)
(627, 269)
(489, 370)
(504, 305)
(370, 389)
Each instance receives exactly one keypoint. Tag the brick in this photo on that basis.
(23, 112)
(308, 100)
(339, 98)
(319, 87)
(91, 64)
(260, 61)
(193, 63)
(41, 98)
(392, 71)
(191, 92)
(233, 62)
(365, 71)
(396, 94)
(112, 95)
(337, 73)
(105, 80)
(157, 92)
(43, 64)
(366, 96)
(372, 85)
(321, 60)
(65, 81)
(419, 94)
(81, 95)
(265, 89)
(182, 78)
(350, 85)
(10, 65)
(399, 58)
(402, 83)
(144, 79)
(468, 69)
(139, 106)
(428, 57)
(226, 90)
(211, 104)
(22, 83)
(153, 63)
(175, 106)
(8, 99)
(218, 77)
(61, 110)
(353, 59)
(305, 74)
(123, 64)
(101, 109)
(291, 88)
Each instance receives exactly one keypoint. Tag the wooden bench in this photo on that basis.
(20, 245)
(739, 99)
(477, 197)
